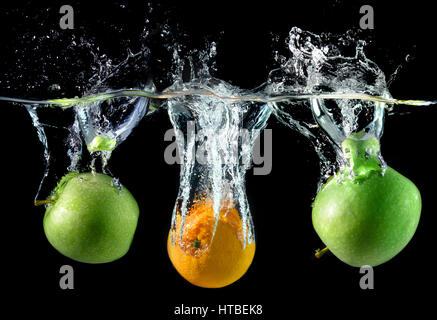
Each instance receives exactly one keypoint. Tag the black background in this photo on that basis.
(284, 277)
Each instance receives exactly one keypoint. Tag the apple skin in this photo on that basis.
(91, 220)
(370, 221)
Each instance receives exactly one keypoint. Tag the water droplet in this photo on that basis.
(116, 183)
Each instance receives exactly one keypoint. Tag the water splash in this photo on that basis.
(321, 65)
(325, 88)
(102, 125)
(105, 124)
(215, 139)
(43, 138)
(201, 90)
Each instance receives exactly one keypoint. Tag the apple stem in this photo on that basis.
(43, 202)
(319, 253)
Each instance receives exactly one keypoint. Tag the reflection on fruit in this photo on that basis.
(206, 261)
(91, 220)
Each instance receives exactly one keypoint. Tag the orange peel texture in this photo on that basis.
(206, 261)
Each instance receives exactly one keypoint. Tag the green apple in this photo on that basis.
(366, 216)
(90, 219)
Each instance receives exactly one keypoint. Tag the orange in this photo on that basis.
(204, 260)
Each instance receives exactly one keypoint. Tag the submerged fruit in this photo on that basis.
(205, 261)
(369, 218)
(91, 219)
